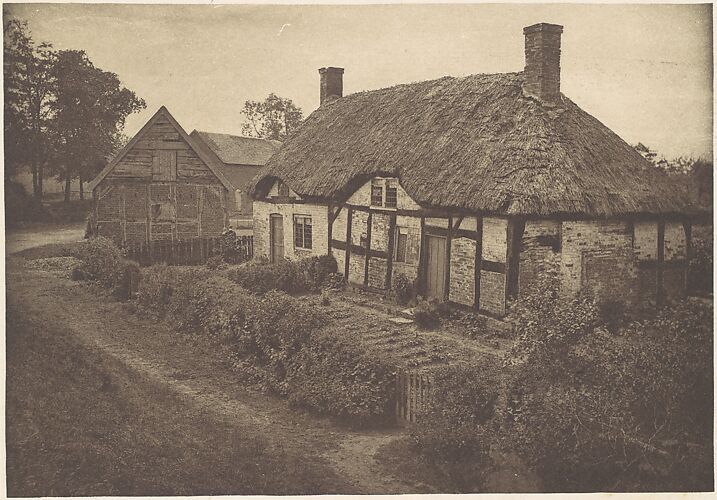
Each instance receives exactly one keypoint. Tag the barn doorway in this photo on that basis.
(277, 237)
(435, 266)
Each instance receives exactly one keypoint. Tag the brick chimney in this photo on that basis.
(542, 62)
(332, 83)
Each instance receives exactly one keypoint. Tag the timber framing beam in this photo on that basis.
(348, 245)
(478, 261)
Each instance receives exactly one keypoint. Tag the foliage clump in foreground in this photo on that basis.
(260, 276)
(273, 340)
(588, 406)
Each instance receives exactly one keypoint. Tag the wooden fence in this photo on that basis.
(195, 251)
(412, 394)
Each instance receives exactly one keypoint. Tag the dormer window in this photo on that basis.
(282, 188)
(384, 193)
(377, 192)
(391, 195)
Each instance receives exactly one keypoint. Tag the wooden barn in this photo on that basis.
(161, 186)
(474, 187)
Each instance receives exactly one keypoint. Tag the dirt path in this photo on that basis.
(197, 373)
(22, 239)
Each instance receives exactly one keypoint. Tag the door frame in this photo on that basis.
(272, 218)
(443, 262)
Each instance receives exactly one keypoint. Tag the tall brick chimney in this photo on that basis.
(332, 83)
(542, 61)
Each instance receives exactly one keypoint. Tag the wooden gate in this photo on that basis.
(412, 394)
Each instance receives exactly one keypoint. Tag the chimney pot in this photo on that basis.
(542, 61)
(332, 83)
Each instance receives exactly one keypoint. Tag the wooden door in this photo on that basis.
(277, 237)
(435, 266)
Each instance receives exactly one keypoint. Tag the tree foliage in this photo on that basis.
(88, 115)
(62, 114)
(273, 118)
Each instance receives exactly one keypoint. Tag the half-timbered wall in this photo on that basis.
(160, 190)
(488, 259)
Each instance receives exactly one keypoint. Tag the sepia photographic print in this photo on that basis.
(370, 249)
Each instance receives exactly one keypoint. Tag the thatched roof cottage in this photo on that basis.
(472, 186)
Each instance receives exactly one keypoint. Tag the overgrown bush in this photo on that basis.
(127, 283)
(591, 411)
(103, 260)
(426, 314)
(458, 427)
(334, 375)
(22, 207)
(215, 262)
(260, 276)
(274, 341)
(701, 267)
(317, 270)
(403, 289)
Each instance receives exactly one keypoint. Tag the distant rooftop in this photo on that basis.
(239, 150)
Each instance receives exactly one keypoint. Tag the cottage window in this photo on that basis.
(401, 243)
(302, 231)
(377, 193)
(406, 247)
(391, 196)
(282, 188)
(238, 198)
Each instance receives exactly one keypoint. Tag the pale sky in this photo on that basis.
(643, 70)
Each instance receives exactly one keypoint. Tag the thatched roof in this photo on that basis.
(475, 143)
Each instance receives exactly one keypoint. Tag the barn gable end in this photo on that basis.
(160, 187)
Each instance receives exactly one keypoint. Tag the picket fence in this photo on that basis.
(412, 394)
(195, 251)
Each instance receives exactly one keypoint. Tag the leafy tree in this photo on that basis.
(89, 112)
(28, 94)
(273, 118)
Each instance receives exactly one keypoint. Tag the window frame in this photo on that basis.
(377, 185)
(300, 226)
(398, 257)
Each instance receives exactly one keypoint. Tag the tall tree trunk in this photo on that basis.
(82, 190)
(39, 181)
(68, 187)
(34, 180)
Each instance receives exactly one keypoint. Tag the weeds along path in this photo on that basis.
(197, 372)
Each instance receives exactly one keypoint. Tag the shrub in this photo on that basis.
(155, 291)
(102, 260)
(21, 207)
(260, 277)
(128, 282)
(403, 289)
(215, 262)
(317, 270)
(335, 376)
(593, 411)
(425, 315)
(457, 428)
(701, 267)
(612, 314)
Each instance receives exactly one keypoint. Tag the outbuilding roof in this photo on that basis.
(477, 143)
(239, 150)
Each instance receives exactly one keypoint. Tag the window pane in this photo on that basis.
(298, 234)
(376, 195)
(391, 196)
(307, 233)
(401, 247)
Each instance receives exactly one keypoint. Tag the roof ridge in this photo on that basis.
(237, 136)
